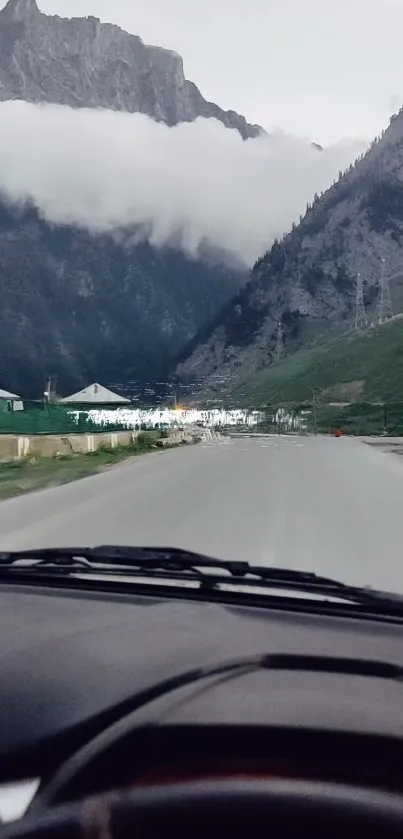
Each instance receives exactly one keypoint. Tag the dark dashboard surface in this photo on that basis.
(75, 659)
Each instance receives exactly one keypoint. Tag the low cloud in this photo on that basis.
(194, 183)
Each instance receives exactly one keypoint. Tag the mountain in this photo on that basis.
(88, 307)
(307, 281)
(82, 62)
(358, 367)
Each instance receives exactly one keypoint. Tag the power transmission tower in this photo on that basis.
(279, 351)
(385, 301)
(361, 320)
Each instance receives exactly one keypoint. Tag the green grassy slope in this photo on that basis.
(353, 368)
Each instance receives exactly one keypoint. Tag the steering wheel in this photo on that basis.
(228, 808)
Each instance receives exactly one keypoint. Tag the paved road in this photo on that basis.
(333, 506)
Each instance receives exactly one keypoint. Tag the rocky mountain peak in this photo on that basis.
(20, 10)
(83, 63)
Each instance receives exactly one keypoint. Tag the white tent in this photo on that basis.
(95, 395)
(15, 402)
(12, 397)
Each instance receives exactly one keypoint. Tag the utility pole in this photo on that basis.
(314, 408)
(174, 396)
(47, 392)
(315, 417)
(279, 351)
(385, 424)
(385, 302)
(361, 320)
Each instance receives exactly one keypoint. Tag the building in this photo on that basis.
(95, 395)
(10, 402)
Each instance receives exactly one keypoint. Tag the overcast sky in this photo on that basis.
(324, 69)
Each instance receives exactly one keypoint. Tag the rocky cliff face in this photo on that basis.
(82, 62)
(306, 282)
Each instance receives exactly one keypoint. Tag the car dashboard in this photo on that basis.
(120, 692)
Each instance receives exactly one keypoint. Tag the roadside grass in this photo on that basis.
(357, 367)
(18, 477)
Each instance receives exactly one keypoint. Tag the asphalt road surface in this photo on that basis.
(334, 506)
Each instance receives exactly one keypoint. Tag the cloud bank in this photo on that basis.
(190, 184)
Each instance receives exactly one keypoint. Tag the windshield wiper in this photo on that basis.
(148, 560)
(177, 564)
(134, 559)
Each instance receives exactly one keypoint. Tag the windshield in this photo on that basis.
(201, 229)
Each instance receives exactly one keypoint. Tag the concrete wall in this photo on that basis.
(12, 446)
(175, 437)
(50, 445)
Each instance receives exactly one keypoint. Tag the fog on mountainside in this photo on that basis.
(191, 183)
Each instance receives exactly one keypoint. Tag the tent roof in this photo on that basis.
(4, 394)
(96, 394)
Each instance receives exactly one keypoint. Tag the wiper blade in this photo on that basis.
(159, 559)
(148, 561)
(175, 563)
(131, 558)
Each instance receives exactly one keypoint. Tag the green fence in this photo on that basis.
(51, 419)
(359, 419)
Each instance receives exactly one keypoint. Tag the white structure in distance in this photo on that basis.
(170, 418)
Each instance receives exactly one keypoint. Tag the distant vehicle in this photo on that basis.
(338, 432)
(205, 692)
